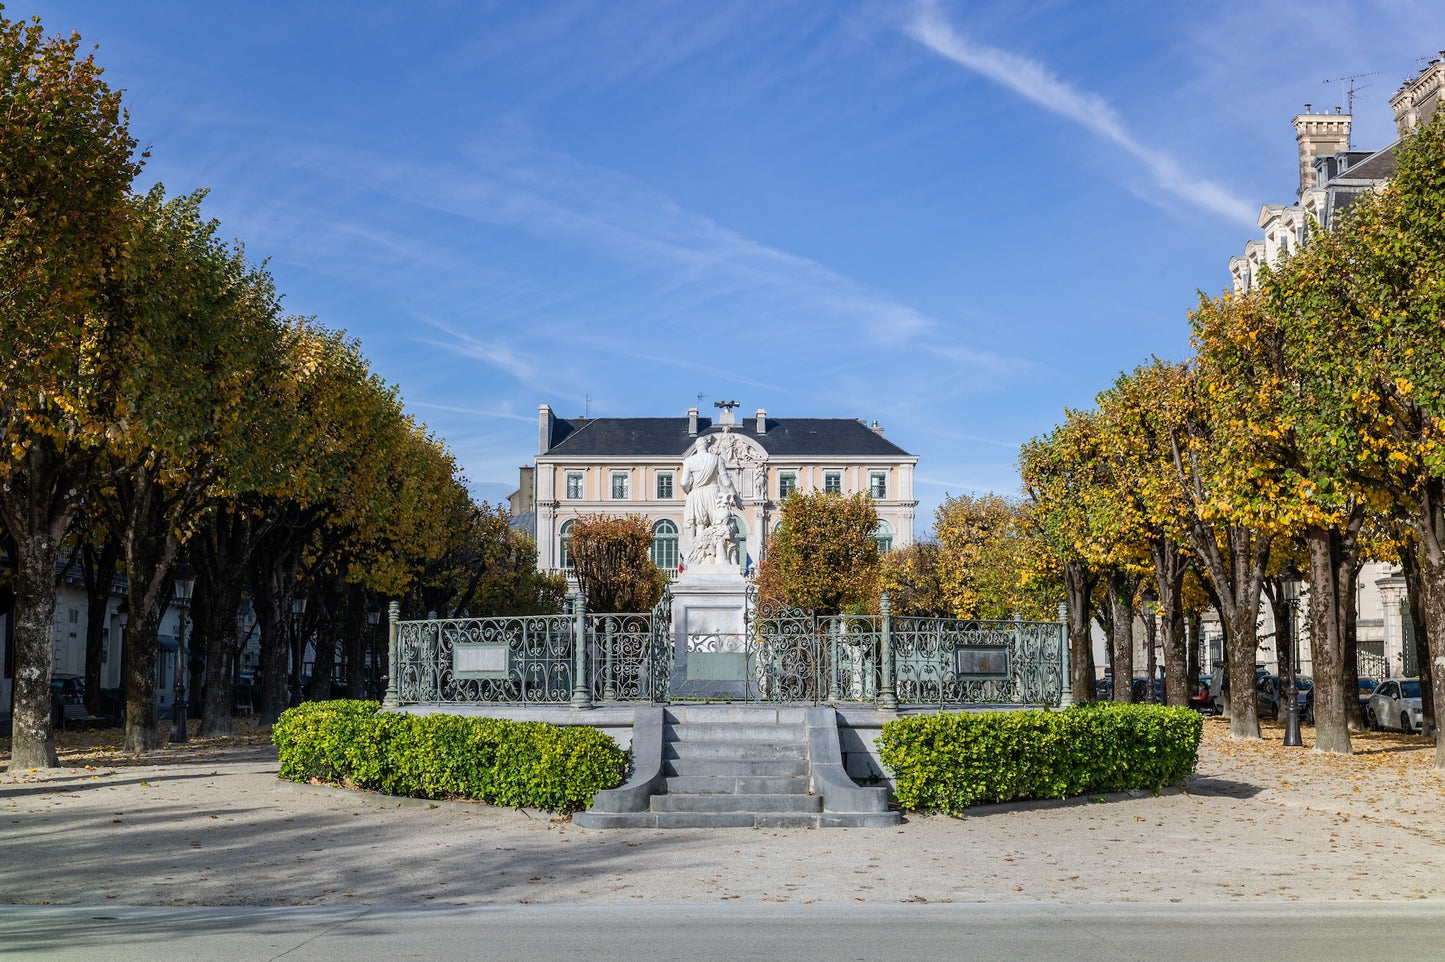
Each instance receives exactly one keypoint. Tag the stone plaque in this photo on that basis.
(982, 662)
(480, 661)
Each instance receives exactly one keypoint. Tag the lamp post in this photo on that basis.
(1286, 644)
(373, 618)
(1151, 625)
(298, 608)
(185, 581)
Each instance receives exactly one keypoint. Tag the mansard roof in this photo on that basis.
(668, 437)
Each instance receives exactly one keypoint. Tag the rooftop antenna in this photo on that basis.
(587, 400)
(1349, 91)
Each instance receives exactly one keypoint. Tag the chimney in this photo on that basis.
(762, 421)
(1319, 135)
(545, 421)
(876, 429)
(692, 422)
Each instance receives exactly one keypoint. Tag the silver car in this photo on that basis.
(1395, 704)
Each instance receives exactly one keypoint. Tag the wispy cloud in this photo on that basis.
(1034, 81)
(491, 351)
(474, 412)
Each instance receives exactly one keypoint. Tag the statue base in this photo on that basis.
(710, 630)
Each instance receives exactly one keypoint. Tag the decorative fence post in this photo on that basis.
(609, 681)
(835, 634)
(581, 691)
(888, 693)
(1066, 690)
(393, 655)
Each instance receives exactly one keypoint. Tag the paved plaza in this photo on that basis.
(209, 824)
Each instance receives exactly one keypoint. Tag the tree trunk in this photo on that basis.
(272, 614)
(1079, 586)
(1415, 611)
(99, 573)
(1332, 733)
(32, 732)
(1168, 582)
(1121, 638)
(1349, 576)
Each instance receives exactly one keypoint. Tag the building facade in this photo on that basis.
(621, 466)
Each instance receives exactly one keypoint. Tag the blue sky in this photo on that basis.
(956, 218)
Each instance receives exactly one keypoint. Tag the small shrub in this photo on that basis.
(948, 762)
(530, 764)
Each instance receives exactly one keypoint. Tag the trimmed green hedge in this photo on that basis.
(947, 762)
(530, 764)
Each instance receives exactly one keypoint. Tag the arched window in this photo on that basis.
(883, 537)
(664, 545)
(564, 559)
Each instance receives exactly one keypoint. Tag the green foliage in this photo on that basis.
(823, 557)
(531, 764)
(948, 762)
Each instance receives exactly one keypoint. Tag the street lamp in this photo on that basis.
(185, 579)
(1286, 647)
(373, 618)
(298, 608)
(1151, 625)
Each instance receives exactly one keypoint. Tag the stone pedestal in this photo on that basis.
(709, 623)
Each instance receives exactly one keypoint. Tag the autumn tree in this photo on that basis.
(612, 562)
(67, 160)
(1367, 300)
(913, 579)
(1058, 472)
(981, 560)
(489, 568)
(201, 361)
(823, 557)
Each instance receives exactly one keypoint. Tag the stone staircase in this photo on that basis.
(724, 766)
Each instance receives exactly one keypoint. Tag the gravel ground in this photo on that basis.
(210, 824)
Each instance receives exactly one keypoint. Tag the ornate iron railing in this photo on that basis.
(784, 655)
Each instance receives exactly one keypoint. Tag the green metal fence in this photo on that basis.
(784, 655)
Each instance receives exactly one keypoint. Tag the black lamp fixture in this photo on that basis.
(184, 580)
(1287, 652)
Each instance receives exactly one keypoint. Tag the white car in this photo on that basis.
(1395, 704)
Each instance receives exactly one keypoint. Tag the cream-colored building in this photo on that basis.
(622, 466)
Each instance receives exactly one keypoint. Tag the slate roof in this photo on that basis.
(668, 437)
(1378, 166)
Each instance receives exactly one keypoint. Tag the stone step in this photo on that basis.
(735, 819)
(733, 715)
(737, 785)
(733, 750)
(737, 803)
(735, 766)
(731, 732)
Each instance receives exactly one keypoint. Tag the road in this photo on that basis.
(835, 932)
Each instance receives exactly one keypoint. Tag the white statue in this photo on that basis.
(707, 514)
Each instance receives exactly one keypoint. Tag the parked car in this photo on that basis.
(1219, 685)
(1367, 687)
(1395, 704)
(67, 698)
(1269, 696)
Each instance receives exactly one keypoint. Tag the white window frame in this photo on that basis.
(878, 485)
(580, 478)
(787, 484)
(832, 482)
(625, 477)
(667, 477)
